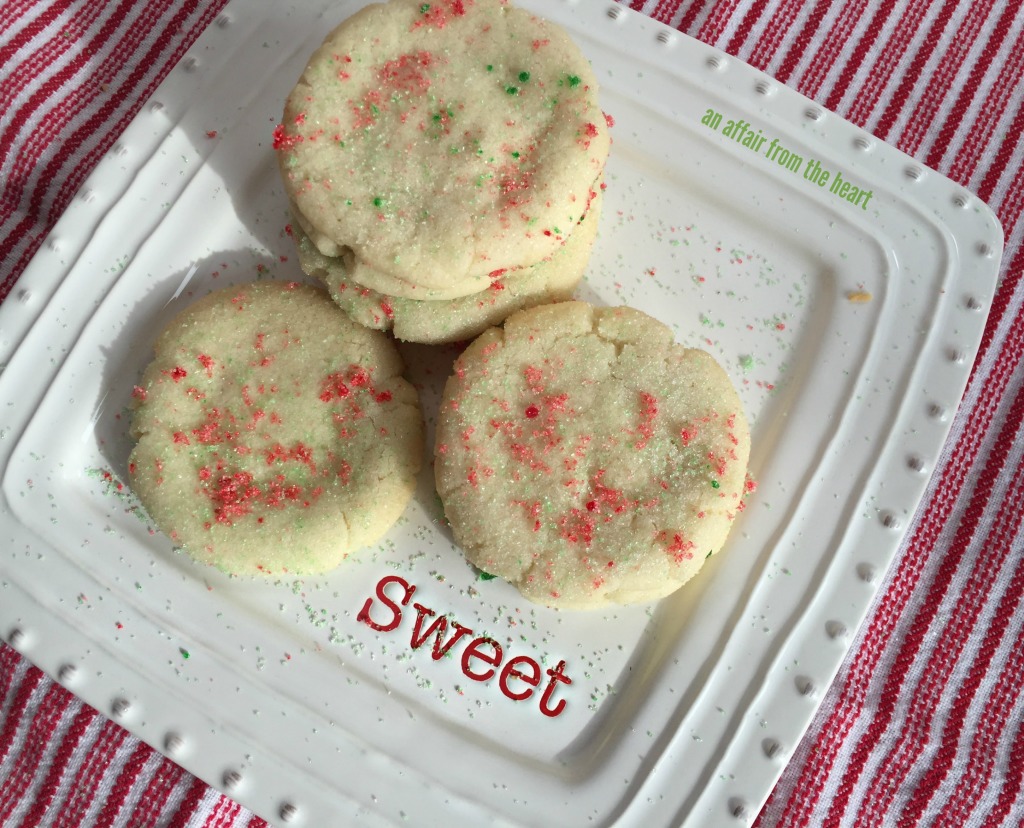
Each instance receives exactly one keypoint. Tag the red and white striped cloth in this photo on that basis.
(924, 724)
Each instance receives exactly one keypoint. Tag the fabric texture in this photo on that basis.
(923, 726)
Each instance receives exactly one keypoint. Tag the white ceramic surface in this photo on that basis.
(848, 327)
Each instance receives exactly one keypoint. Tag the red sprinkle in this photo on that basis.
(283, 141)
(407, 73)
(334, 387)
(648, 411)
(233, 496)
(680, 548)
(533, 376)
(438, 14)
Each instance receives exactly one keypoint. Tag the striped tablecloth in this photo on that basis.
(924, 724)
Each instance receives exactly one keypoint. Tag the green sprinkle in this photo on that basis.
(512, 90)
(490, 67)
(515, 154)
(424, 8)
(486, 576)
(710, 552)
(184, 653)
(574, 80)
(524, 76)
(378, 202)
(715, 484)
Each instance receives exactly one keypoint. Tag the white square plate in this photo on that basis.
(849, 326)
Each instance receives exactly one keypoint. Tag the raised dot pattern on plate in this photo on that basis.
(173, 744)
(805, 686)
(17, 638)
(866, 572)
(915, 463)
(890, 520)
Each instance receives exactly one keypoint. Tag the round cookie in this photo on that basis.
(273, 433)
(445, 140)
(585, 457)
(455, 320)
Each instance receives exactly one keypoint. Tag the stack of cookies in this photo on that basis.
(444, 164)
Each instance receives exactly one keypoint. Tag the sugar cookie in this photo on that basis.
(585, 457)
(274, 434)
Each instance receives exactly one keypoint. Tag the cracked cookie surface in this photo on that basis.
(274, 434)
(588, 459)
